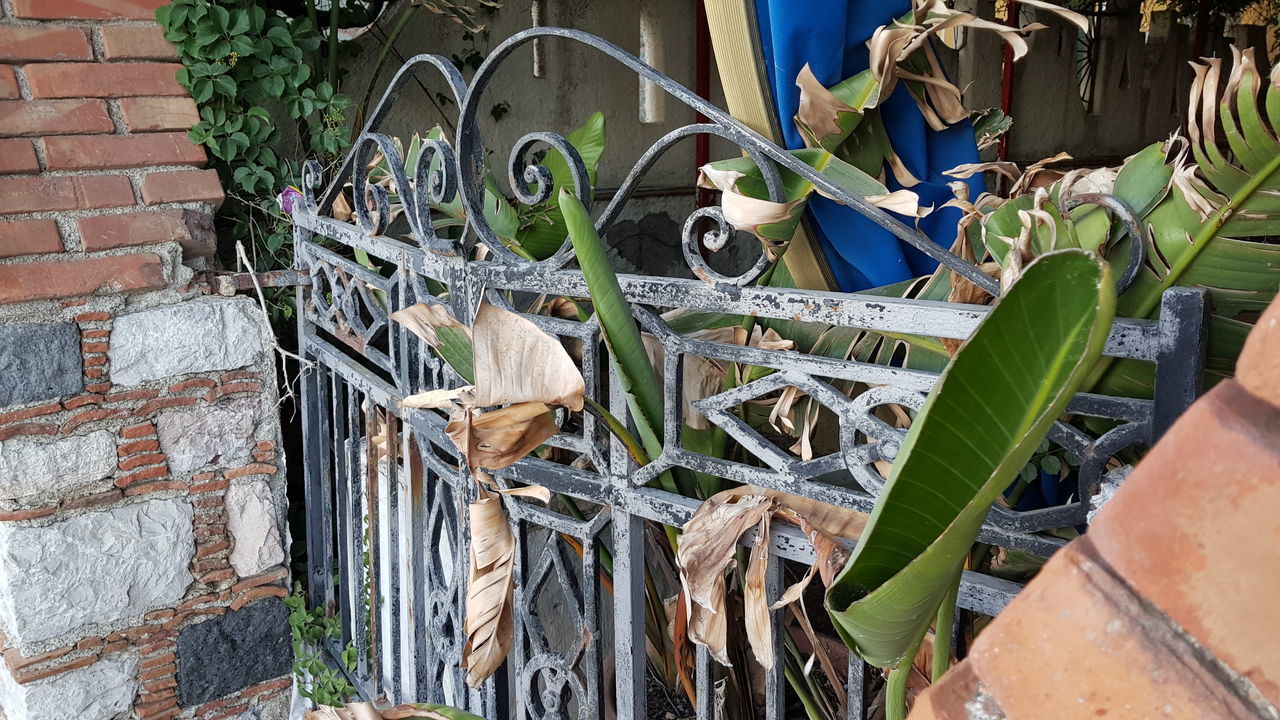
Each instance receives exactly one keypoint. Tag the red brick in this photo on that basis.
(30, 676)
(131, 395)
(83, 276)
(1197, 551)
(23, 195)
(95, 334)
(238, 387)
(94, 347)
(150, 473)
(77, 402)
(203, 551)
(250, 469)
(28, 429)
(167, 658)
(142, 460)
(207, 502)
(114, 647)
(234, 375)
(53, 117)
(29, 237)
(68, 80)
(137, 446)
(103, 498)
(44, 42)
(108, 152)
(271, 576)
(1078, 644)
(259, 592)
(136, 42)
(87, 9)
(28, 514)
(193, 383)
(211, 486)
(165, 402)
(8, 83)
(163, 486)
(18, 156)
(95, 373)
(182, 186)
(163, 708)
(162, 671)
(137, 431)
(93, 317)
(89, 643)
(150, 114)
(28, 413)
(217, 576)
(88, 416)
(17, 661)
(95, 360)
(1257, 369)
(97, 387)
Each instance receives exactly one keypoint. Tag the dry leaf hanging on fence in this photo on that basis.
(709, 544)
(518, 366)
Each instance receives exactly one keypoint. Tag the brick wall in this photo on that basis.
(1166, 608)
(142, 535)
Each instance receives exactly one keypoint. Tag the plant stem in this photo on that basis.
(363, 108)
(895, 690)
(334, 15)
(942, 631)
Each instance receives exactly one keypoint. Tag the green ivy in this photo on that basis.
(309, 628)
(250, 67)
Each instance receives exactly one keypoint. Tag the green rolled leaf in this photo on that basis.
(980, 426)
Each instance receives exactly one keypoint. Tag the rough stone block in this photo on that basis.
(233, 651)
(39, 362)
(29, 466)
(99, 691)
(195, 336)
(251, 520)
(93, 568)
(221, 434)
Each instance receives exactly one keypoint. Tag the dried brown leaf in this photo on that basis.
(755, 600)
(490, 583)
(423, 319)
(498, 438)
(819, 109)
(515, 362)
(438, 399)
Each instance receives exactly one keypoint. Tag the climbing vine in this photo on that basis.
(250, 68)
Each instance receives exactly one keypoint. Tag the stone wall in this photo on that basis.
(1166, 608)
(142, 538)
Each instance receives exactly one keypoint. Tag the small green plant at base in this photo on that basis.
(309, 628)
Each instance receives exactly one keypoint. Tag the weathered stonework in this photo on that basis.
(255, 535)
(233, 651)
(220, 434)
(38, 362)
(100, 691)
(93, 568)
(30, 466)
(201, 335)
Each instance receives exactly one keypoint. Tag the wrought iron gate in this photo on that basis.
(387, 537)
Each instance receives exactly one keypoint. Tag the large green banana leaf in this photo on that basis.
(542, 233)
(986, 416)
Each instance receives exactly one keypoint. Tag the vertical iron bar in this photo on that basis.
(1183, 313)
(703, 684)
(775, 683)
(856, 688)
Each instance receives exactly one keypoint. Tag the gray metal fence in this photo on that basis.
(387, 538)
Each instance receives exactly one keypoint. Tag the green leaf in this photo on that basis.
(619, 329)
(588, 140)
(455, 349)
(979, 427)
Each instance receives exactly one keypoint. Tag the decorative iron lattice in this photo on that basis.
(386, 496)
